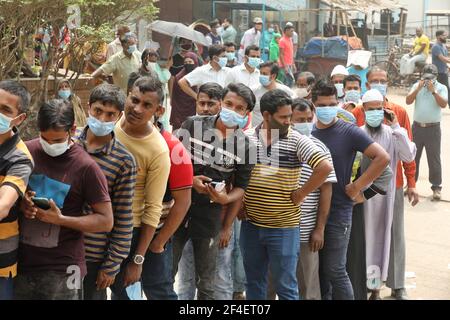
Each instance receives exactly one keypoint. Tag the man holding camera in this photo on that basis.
(430, 98)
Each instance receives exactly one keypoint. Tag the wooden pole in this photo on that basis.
(338, 21)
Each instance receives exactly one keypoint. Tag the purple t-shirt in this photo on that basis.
(343, 140)
(71, 180)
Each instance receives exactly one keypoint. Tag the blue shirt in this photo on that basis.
(437, 50)
(343, 139)
(426, 109)
(362, 74)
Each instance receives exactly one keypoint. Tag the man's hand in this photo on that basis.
(27, 206)
(394, 120)
(359, 198)
(217, 197)
(242, 214)
(297, 197)
(225, 237)
(352, 191)
(52, 215)
(155, 247)
(413, 196)
(316, 240)
(199, 184)
(430, 86)
(420, 85)
(132, 275)
(104, 280)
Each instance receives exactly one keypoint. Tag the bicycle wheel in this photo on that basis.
(392, 71)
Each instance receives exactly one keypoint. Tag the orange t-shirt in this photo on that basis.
(403, 120)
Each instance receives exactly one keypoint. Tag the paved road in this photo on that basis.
(428, 227)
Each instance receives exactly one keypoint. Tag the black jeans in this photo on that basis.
(89, 283)
(442, 78)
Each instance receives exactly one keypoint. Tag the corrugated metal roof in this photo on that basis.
(363, 5)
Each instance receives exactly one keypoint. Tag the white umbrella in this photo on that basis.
(175, 29)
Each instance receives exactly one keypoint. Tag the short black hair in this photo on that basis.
(310, 77)
(215, 50)
(352, 78)
(131, 80)
(212, 90)
(440, 33)
(19, 90)
(108, 93)
(274, 99)
(150, 84)
(302, 105)
(253, 47)
(323, 88)
(375, 69)
(230, 44)
(56, 114)
(274, 68)
(242, 91)
(226, 19)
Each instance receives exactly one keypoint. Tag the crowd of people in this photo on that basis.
(261, 181)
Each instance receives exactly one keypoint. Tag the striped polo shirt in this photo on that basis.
(276, 175)
(311, 204)
(16, 165)
(119, 167)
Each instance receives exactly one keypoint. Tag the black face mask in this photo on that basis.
(189, 67)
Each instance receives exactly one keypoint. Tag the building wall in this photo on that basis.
(416, 14)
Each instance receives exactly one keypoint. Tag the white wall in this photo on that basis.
(416, 12)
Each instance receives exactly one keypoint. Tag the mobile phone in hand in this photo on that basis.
(219, 186)
(41, 203)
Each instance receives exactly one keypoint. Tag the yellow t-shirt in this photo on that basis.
(153, 167)
(419, 41)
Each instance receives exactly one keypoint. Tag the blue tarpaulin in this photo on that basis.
(334, 47)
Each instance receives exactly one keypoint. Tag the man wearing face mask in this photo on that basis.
(220, 152)
(430, 97)
(440, 57)
(121, 64)
(379, 210)
(267, 82)
(105, 252)
(315, 208)
(377, 79)
(337, 78)
(247, 73)
(343, 140)
(352, 90)
(51, 241)
(305, 82)
(230, 49)
(215, 71)
(229, 32)
(273, 197)
(16, 165)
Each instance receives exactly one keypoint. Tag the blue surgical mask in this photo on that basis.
(382, 88)
(304, 128)
(64, 94)
(222, 62)
(352, 96)
(340, 89)
(374, 118)
(5, 123)
(326, 115)
(264, 80)
(232, 119)
(254, 62)
(56, 149)
(231, 56)
(132, 49)
(99, 128)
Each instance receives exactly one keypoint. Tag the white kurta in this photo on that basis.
(378, 211)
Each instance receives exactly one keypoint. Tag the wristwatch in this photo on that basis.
(138, 259)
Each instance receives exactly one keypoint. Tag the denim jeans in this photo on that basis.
(89, 283)
(6, 288)
(156, 278)
(334, 280)
(277, 247)
(237, 266)
(224, 272)
(205, 261)
(185, 277)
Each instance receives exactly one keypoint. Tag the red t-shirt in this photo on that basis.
(286, 45)
(181, 171)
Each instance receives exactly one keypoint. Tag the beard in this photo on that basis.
(373, 130)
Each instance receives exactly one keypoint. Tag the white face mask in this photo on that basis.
(56, 149)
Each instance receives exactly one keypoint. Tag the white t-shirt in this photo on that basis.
(205, 74)
(295, 38)
(240, 74)
(249, 38)
(257, 117)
